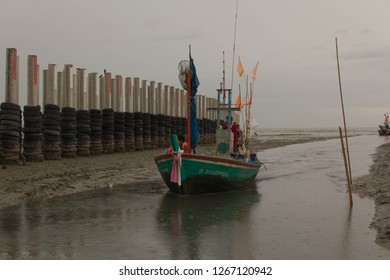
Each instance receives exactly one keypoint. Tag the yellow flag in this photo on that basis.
(240, 69)
(254, 71)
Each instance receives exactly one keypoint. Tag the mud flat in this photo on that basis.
(376, 185)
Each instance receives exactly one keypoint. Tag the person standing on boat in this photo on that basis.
(182, 144)
(235, 136)
(235, 131)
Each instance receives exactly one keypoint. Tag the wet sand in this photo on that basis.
(43, 180)
(50, 179)
(376, 185)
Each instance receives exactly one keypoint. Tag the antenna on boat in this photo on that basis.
(234, 45)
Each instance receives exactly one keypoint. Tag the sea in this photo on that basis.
(299, 209)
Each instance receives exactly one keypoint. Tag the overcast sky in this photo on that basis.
(293, 40)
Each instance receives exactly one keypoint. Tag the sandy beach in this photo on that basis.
(48, 179)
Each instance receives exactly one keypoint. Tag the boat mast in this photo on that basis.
(234, 45)
(189, 104)
(246, 112)
(223, 71)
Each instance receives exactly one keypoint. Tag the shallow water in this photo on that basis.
(298, 210)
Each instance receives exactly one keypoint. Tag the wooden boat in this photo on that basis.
(384, 129)
(203, 174)
(186, 173)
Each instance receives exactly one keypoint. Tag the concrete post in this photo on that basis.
(159, 99)
(17, 80)
(183, 103)
(108, 90)
(197, 100)
(38, 100)
(137, 95)
(206, 106)
(51, 95)
(171, 108)
(129, 95)
(214, 113)
(118, 93)
(60, 89)
(121, 96)
(144, 97)
(152, 99)
(45, 95)
(102, 87)
(75, 93)
(177, 102)
(80, 89)
(165, 101)
(32, 81)
(204, 109)
(113, 95)
(92, 90)
(68, 95)
(11, 82)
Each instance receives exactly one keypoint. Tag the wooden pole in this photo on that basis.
(342, 107)
(346, 169)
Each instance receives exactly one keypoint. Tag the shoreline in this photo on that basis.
(49, 179)
(53, 178)
(376, 186)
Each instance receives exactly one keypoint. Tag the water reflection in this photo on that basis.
(193, 224)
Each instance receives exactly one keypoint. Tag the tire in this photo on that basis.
(10, 117)
(55, 117)
(68, 110)
(11, 106)
(32, 108)
(11, 123)
(52, 106)
(27, 114)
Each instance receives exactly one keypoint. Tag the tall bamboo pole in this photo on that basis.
(342, 107)
(346, 168)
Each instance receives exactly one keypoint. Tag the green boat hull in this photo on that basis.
(205, 174)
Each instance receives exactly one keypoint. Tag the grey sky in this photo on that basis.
(294, 42)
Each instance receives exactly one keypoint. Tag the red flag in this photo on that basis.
(254, 71)
(240, 69)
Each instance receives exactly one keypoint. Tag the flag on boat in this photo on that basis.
(240, 69)
(194, 90)
(238, 101)
(254, 71)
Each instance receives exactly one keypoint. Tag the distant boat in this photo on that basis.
(384, 129)
(186, 173)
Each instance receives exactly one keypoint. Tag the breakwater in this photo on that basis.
(81, 114)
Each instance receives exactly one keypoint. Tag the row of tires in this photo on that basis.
(56, 132)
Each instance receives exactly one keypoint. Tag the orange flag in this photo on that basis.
(240, 69)
(238, 101)
(242, 105)
(254, 71)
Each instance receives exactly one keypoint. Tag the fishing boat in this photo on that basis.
(190, 173)
(384, 129)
